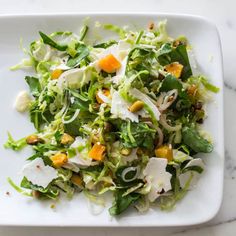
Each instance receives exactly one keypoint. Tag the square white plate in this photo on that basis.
(200, 204)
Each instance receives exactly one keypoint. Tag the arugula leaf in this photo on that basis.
(137, 135)
(178, 54)
(15, 145)
(34, 85)
(82, 52)
(49, 192)
(73, 127)
(121, 203)
(193, 139)
(47, 40)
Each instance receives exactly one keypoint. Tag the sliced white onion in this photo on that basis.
(127, 170)
(164, 123)
(143, 97)
(163, 101)
(160, 137)
(72, 118)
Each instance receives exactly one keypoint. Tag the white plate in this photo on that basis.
(200, 204)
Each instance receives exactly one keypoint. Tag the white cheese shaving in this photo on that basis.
(81, 157)
(23, 101)
(157, 177)
(119, 108)
(38, 173)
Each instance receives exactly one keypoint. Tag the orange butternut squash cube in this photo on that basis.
(56, 74)
(109, 64)
(175, 69)
(96, 153)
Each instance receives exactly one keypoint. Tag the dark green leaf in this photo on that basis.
(197, 169)
(193, 139)
(178, 54)
(34, 85)
(169, 83)
(121, 203)
(47, 40)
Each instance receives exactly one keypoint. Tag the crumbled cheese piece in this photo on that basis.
(38, 173)
(22, 101)
(157, 177)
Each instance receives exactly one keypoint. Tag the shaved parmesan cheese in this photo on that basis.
(103, 97)
(38, 173)
(119, 108)
(81, 157)
(22, 101)
(183, 178)
(75, 78)
(157, 177)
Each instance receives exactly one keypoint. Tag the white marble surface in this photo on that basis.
(222, 13)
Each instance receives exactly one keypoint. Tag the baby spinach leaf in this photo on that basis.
(82, 52)
(121, 203)
(34, 85)
(169, 83)
(47, 40)
(193, 139)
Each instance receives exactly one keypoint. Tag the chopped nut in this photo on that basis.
(165, 151)
(125, 151)
(77, 180)
(35, 193)
(192, 90)
(59, 159)
(151, 26)
(66, 139)
(33, 140)
(136, 106)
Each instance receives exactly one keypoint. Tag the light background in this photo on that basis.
(222, 13)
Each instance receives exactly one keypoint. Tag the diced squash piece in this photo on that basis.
(56, 74)
(96, 153)
(109, 64)
(175, 69)
(77, 180)
(105, 92)
(66, 139)
(164, 151)
(59, 159)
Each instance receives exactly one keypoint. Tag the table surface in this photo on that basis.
(222, 13)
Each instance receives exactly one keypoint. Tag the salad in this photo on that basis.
(122, 115)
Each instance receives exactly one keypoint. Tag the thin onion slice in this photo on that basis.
(164, 123)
